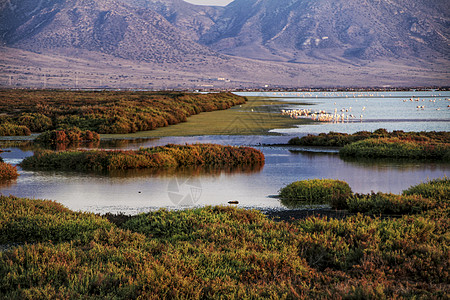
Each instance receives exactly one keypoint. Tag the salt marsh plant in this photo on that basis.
(8, 129)
(103, 111)
(7, 171)
(316, 191)
(30, 221)
(62, 139)
(438, 189)
(386, 204)
(170, 156)
(336, 139)
(396, 148)
(218, 253)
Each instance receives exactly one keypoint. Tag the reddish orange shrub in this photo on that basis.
(8, 171)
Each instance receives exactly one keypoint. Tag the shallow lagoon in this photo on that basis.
(139, 191)
(389, 110)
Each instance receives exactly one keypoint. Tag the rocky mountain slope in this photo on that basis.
(107, 26)
(193, 20)
(245, 44)
(340, 29)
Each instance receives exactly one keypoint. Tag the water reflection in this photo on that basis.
(7, 183)
(124, 143)
(135, 191)
(404, 164)
(186, 171)
(22, 145)
(400, 163)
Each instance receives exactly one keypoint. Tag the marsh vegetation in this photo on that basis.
(215, 252)
(26, 111)
(170, 156)
(316, 191)
(7, 171)
(383, 144)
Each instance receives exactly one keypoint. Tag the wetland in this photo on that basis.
(253, 124)
(210, 224)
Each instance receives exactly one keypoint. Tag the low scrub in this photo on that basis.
(7, 171)
(380, 203)
(438, 189)
(36, 122)
(332, 139)
(316, 191)
(70, 136)
(8, 129)
(396, 148)
(157, 157)
(104, 111)
(29, 221)
(218, 253)
(336, 139)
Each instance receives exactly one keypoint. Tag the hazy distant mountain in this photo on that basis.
(348, 29)
(107, 26)
(289, 30)
(282, 42)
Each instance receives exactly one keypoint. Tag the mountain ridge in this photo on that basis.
(350, 29)
(110, 27)
(398, 39)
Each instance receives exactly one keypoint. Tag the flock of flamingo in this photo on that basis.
(344, 115)
(322, 116)
(423, 100)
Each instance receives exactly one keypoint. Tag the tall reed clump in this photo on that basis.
(157, 157)
(7, 171)
(396, 148)
(316, 191)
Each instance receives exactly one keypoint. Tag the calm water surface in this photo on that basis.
(389, 110)
(140, 191)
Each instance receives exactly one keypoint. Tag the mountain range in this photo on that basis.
(286, 37)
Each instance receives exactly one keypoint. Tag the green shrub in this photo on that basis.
(380, 203)
(438, 189)
(336, 139)
(8, 129)
(316, 191)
